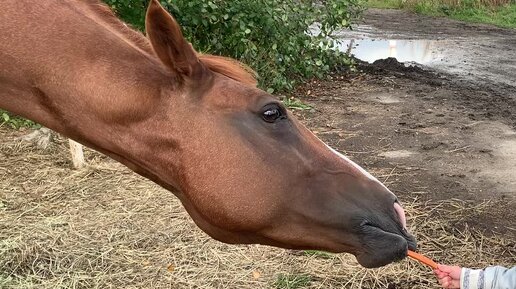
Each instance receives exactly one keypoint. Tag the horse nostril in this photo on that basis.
(401, 215)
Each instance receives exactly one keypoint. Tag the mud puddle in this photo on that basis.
(471, 51)
(407, 51)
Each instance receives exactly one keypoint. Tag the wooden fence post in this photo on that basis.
(77, 154)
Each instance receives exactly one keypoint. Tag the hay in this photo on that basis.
(105, 227)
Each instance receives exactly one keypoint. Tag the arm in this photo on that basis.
(495, 277)
(498, 277)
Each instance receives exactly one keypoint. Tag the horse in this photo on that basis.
(244, 168)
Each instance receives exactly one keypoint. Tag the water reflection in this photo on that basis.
(370, 50)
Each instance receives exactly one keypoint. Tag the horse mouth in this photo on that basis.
(381, 247)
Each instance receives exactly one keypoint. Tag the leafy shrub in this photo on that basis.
(15, 122)
(272, 36)
(131, 11)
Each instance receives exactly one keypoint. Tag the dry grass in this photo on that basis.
(105, 227)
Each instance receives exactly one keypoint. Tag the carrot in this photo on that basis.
(425, 260)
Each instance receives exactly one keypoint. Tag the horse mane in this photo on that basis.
(105, 14)
(229, 67)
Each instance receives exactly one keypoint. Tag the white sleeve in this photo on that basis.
(498, 277)
(472, 279)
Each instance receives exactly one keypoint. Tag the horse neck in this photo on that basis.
(80, 78)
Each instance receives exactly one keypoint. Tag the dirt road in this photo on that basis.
(474, 51)
(443, 130)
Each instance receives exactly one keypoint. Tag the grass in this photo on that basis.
(318, 254)
(16, 122)
(501, 13)
(503, 16)
(295, 104)
(105, 227)
(292, 281)
(385, 4)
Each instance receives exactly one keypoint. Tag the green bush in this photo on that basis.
(14, 121)
(131, 11)
(268, 35)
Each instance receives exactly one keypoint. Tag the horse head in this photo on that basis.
(248, 171)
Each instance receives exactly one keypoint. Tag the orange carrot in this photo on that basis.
(425, 260)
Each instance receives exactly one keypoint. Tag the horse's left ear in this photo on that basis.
(168, 42)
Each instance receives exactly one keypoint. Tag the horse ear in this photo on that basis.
(168, 42)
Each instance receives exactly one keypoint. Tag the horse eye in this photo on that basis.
(272, 112)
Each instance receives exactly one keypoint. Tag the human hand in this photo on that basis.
(448, 276)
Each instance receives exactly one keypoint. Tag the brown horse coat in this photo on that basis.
(244, 168)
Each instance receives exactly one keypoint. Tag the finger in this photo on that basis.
(444, 281)
(448, 282)
(444, 268)
(440, 274)
(453, 271)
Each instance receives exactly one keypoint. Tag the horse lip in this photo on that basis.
(411, 242)
(366, 226)
(401, 215)
(374, 255)
(367, 223)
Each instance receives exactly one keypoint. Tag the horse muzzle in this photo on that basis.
(384, 240)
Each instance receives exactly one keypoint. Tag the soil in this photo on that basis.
(474, 51)
(435, 140)
(438, 134)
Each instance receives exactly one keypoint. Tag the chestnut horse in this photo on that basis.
(243, 167)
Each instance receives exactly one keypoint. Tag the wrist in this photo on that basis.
(471, 279)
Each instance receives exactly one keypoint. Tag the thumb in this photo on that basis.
(453, 271)
(445, 268)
